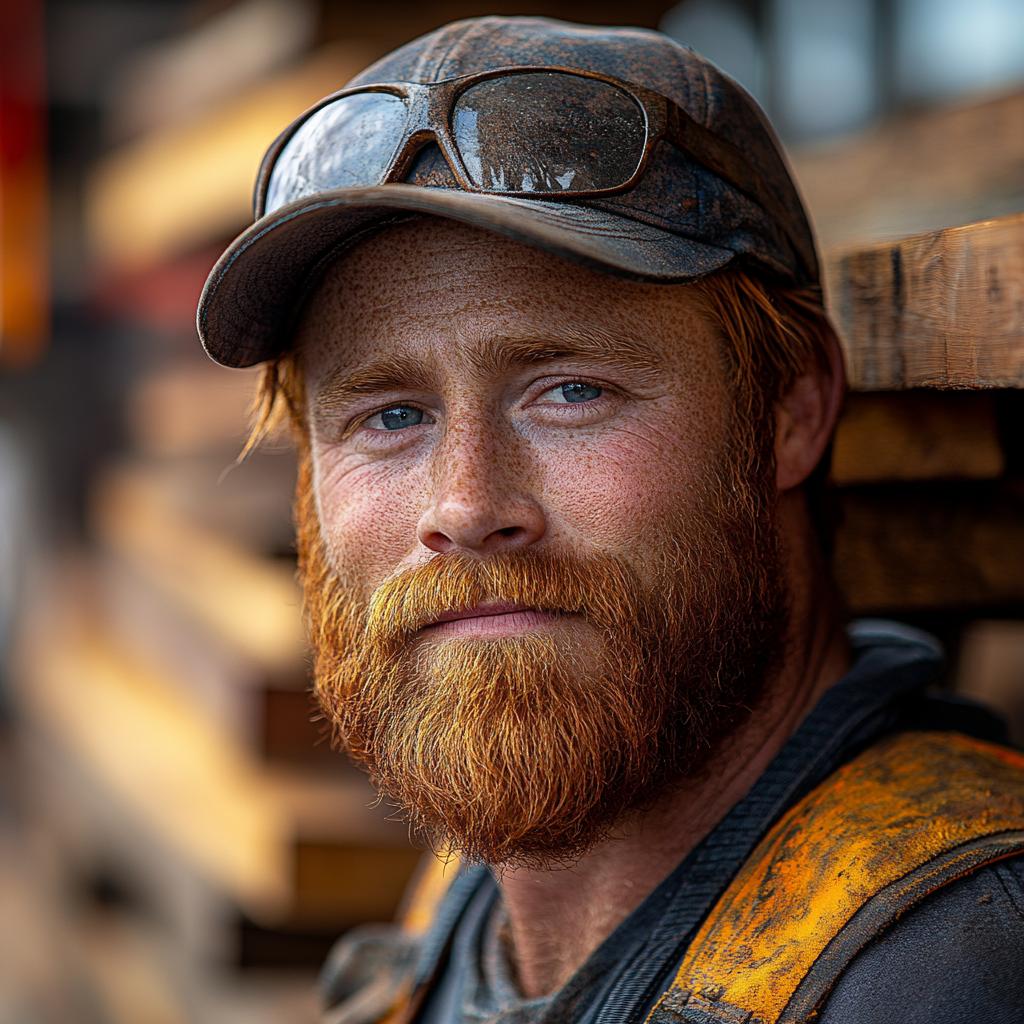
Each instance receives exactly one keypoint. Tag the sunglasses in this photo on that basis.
(519, 132)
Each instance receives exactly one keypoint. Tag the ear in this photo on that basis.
(805, 417)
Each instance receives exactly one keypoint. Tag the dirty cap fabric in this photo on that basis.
(681, 221)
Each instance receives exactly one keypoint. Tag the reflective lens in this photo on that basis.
(548, 132)
(348, 142)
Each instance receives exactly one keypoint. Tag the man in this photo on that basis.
(543, 305)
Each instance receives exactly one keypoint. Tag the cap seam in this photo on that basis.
(428, 63)
(469, 31)
(421, 69)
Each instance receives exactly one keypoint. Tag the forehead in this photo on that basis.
(427, 281)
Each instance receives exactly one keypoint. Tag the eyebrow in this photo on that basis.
(608, 349)
(491, 358)
(392, 374)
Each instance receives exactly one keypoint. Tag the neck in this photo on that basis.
(559, 917)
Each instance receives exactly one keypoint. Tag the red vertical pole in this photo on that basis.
(24, 212)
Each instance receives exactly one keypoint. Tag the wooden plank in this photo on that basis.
(250, 602)
(930, 547)
(938, 310)
(188, 185)
(917, 435)
(919, 219)
(920, 170)
(343, 885)
(154, 752)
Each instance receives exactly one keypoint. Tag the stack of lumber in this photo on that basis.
(923, 244)
(930, 453)
(165, 694)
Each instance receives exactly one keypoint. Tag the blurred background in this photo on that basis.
(178, 843)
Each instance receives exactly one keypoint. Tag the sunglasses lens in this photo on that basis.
(348, 142)
(548, 132)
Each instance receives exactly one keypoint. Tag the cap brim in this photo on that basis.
(251, 295)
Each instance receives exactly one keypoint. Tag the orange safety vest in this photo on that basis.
(912, 813)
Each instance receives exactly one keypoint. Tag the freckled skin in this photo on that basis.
(480, 334)
(502, 465)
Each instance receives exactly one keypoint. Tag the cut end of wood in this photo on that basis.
(943, 309)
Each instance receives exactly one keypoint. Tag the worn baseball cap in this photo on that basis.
(667, 170)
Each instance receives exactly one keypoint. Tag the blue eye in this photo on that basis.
(580, 392)
(400, 416)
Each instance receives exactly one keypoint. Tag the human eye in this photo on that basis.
(397, 417)
(572, 393)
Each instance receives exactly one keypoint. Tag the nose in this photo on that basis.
(481, 504)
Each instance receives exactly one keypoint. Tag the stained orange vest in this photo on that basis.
(911, 814)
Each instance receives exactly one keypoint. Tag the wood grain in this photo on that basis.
(928, 547)
(943, 309)
(917, 435)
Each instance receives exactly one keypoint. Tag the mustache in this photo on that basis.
(601, 589)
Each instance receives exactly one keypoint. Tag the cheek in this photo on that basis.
(603, 500)
(368, 514)
(608, 491)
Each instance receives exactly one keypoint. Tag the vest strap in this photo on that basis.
(911, 814)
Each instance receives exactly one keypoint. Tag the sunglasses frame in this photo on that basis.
(430, 110)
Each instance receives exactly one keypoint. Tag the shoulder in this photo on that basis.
(957, 958)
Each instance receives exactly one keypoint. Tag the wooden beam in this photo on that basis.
(190, 184)
(250, 602)
(943, 309)
(341, 885)
(917, 435)
(930, 547)
(920, 170)
(156, 754)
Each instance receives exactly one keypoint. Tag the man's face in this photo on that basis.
(468, 392)
(531, 536)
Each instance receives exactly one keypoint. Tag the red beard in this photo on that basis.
(530, 749)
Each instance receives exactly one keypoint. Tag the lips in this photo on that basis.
(495, 618)
(482, 611)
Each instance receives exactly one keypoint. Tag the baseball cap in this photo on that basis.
(681, 221)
